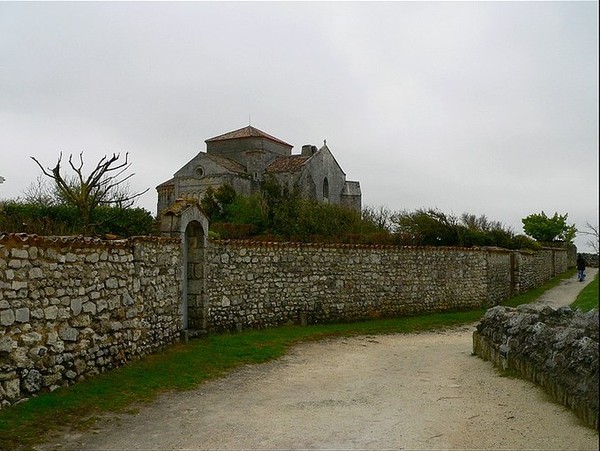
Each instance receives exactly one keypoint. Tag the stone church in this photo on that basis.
(245, 157)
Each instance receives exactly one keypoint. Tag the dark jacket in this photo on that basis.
(580, 263)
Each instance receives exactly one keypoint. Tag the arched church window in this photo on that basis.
(325, 190)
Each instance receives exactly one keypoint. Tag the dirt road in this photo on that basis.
(418, 391)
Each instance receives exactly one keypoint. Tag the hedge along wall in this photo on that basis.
(255, 285)
(73, 307)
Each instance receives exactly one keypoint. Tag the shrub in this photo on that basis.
(17, 217)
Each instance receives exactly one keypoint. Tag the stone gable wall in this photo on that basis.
(72, 307)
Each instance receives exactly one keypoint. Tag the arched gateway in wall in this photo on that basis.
(185, 220)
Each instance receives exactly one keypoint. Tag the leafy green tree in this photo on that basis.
(548, 229)
(248, 210)
(432, 227)
(283, 204)
(426, 228)
(215, 202)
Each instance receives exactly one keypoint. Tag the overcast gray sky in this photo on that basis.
(480, 107)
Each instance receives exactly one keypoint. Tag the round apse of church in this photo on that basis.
(199, 171)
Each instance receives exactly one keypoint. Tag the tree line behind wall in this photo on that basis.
(99, 204)
(279, 213)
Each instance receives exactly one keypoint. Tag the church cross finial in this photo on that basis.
(324, 142)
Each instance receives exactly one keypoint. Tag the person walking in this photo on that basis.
(580, 267)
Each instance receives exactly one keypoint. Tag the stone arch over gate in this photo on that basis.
(185, 220)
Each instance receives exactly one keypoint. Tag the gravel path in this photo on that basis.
(417, 391)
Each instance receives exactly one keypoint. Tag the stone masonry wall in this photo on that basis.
(558, 349)
(499, 284)
(256, 285)
(73, 307)
(536, 268)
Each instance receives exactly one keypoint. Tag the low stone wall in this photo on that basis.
(558, 349)
(73, 307)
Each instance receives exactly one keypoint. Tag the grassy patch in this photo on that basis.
(588, 297)
(185, 366)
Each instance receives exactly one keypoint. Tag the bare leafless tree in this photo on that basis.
(41, 192)
(380, 216)
(481, 223)
(593, 232)
(105, 185)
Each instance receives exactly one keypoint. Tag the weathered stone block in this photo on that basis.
(37, 352)
(7, 344)
(22, 315)
(12, 389)
(70, 257)
(32, 381)
(89, 307)
(31, 338)
(37, 313)
(18, 285)
(36, 273)
(68, 333)
(19, 253)
(81, 320)
(92, 258)
(101, 305)
(111, 283)
(76, 305)
(7, 317)
(51, 312)
(127, 299)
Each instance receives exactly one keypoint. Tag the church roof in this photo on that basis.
(227, 163)
(247, 132)
(287, 164)
(170, 182)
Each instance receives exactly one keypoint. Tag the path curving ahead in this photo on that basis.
(415, 391)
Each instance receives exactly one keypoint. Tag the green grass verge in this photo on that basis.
(184, 366)
(588, 297)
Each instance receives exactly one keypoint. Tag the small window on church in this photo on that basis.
(325, 190)
(199, 171)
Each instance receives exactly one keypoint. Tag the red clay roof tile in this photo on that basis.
(246, 132)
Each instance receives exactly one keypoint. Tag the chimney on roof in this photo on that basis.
(308, 150)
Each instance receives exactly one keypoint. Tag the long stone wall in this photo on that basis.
(558, 349)
(73, 307)
(255, 285)
(535, 268)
